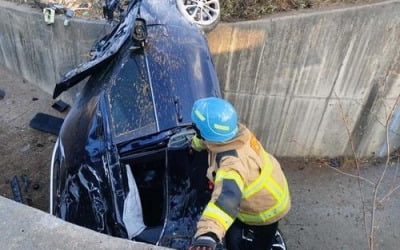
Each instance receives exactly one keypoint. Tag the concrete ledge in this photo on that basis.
(24, 227)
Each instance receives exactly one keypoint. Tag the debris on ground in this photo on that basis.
(16, 190)
(60, 106)
(46, 123)
(26, 182)
(36, 186)
(92, 9)
(2, 94)
(335, 163)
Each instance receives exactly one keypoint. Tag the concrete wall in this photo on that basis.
(23, 227)
(42, 53)
(322, 83)
(297, 79)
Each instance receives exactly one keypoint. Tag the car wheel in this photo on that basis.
(204, 13)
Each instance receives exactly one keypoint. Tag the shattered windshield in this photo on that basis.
(130, 98)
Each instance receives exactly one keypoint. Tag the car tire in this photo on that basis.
(203, 13)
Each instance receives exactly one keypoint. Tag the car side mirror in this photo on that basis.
(139, 32)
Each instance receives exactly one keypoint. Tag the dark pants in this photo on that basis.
(241, 236)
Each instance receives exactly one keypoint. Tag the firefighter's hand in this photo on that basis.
(203, 242)
(197, 144)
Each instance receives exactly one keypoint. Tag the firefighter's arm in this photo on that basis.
(222, 209)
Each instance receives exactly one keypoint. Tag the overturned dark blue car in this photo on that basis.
(122, 164)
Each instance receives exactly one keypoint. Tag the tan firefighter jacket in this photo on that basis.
(248, 185)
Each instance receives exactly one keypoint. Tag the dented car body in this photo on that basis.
(121, 164)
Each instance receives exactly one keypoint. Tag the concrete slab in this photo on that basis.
(333, 207)
(22, 227)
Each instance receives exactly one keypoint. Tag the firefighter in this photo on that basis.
(250, 192)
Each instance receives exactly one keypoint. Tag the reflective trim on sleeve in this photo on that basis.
(231, 175)
(214, 212)
(270, 213)
(266, 181)
(262, 180)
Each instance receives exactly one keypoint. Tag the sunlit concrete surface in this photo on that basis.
(316, 82)
(23, 227)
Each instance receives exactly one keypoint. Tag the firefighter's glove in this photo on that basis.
(204, 242)
(197, 144)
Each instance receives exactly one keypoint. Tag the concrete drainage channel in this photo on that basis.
(332, 207)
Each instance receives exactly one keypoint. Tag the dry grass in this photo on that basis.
(253, 9)
(231, 10)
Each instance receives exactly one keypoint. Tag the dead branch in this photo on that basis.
(351, 175)
(393, 187)
(389, 194)
(378, 184)
(343, 116)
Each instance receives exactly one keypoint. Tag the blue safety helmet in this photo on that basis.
(215, 119)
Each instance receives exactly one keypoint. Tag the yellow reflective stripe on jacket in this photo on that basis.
(231, 175)
(270, 213)
(214, 212)
(266, 181)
